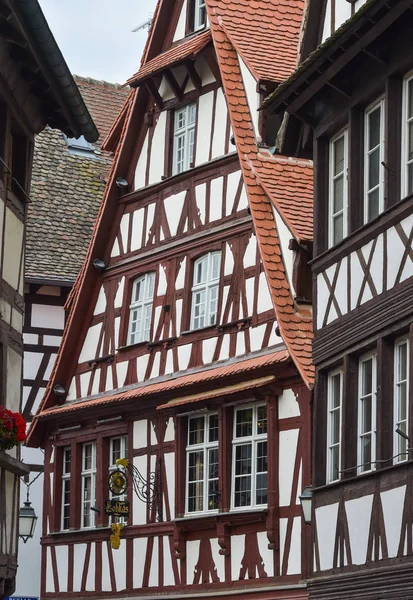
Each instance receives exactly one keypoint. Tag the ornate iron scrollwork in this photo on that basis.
(118, 482)
(148, 490)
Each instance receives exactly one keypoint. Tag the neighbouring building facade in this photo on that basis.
(67, 172)
(354, 94)
(37, 90)
(188, 344)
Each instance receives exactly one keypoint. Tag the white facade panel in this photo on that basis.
(156, 169)
(358, 518)
(287, 453)
(204, 131)
(220, 128)
(140, 172)
(173, 208)
(288, 406)
(48, 317)
(90, 348)
(393, 504)
(326, 521)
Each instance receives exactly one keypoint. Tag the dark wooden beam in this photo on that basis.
(10, 35)
(23, 58)
(212, 63)
(154, 92)
(173, 84)
(193, 74)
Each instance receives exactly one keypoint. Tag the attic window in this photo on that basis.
(79, 146)
(197, 16)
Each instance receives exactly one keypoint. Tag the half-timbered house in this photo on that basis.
(354, 95)
(67, 185)
(188, 345)
(36, 90)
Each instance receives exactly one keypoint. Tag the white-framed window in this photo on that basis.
(367, 396)
(334, 403)
(184, 138)
(66, 468)
(202, 494)
(140, 308)
(205, 290)
(338, 188)
(373, 161)
(407, 137)
(249, 457)
(199, 14)
(118, 448)
(401, 398)
(88, 476)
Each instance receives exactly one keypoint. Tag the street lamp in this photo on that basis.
(27, 520)
(306, 500)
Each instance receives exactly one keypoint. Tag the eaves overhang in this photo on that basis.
(352, 38)
(54, 68)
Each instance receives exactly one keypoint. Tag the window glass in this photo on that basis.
(367, 413)
(67, 463)
(205, 290)
(199, 14)
(408, 136)
(338, 189)
(118, 448)
(140, 309)
(335, 391)
(184, 138)
(250, 468)
(88, 477)
(401, 395)
(374, 155)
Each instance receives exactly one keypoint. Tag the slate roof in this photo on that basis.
(66, 191)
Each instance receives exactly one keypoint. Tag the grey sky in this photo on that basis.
(94, 35)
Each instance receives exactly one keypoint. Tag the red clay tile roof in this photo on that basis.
(289, 184)
(295, 328)
(179, 382)
(186, 50)
(265, 32)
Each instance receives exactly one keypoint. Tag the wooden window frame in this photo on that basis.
(204, 447)
(408, 78)
(113, 466)
(338, 371)
(373, 431)
(143, 334)
(192, 26)
(84, 474)
(254, 439)
(206, 287)
(66, 478)
(343, 133)
(397, 439)
(377, 104)
(185, 132)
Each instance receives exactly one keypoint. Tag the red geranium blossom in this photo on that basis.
(12, 429)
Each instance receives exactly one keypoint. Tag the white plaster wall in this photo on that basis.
(119, 294)
(326, 521)
(205, 105)
(139, 507)
(322, 299)
(106, 581)
(140, 434)
(100, 302)
(141, 165)
(215, 206)
(200, 193)
(79, 555)
(358, 518)
(13, 240)
(294, 558)
(14, 380)
(250, 86)
(264, 298)
(154, 572)
(287, 452)
(221, 115)
(287, 405)
(393, 504)
(156, 169)
(192, 554)
(49, 317)
(90, 346)
(124, 230)
(169, 459)
(285, 236)
(139, 552)
(168, 574)
(137, 229)
(237, 554)
(180, 28)
(233, 181)
(119, 562)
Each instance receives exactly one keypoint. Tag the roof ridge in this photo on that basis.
(287, 160)
(100, 82)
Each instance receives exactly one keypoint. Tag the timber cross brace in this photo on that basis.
(148, 490)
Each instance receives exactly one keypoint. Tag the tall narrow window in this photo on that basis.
(338, 188)
(88, 477)
(199, 14)
(202, 464)
(407, 184)
(205, 290)
(401, 398)
(249, 457)
(118, 448)
(367, 413)
(335, 401)
(184, 138)
(373, 161)
(140, 309)
(67, 459)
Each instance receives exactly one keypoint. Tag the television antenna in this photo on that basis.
(144, 25)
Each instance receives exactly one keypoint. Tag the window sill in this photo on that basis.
(233, 517)
(84, 530)
(131, 346)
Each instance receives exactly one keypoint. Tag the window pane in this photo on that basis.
(116, 450)
(213, 428)
(373, 204)
(335, 462)
(196, 430)
(367, 377)
(262, 457)
(374, 128)
(138, 291)
(366, 416)
(261, 494)
(243, 463)
(335, 427)
(410, 141)
(338, 228)
(67, 461)
(374, 169)
(213, 495)
(242, 496)
(196, 466)
(338, 195)
(243, 422)
(213, 463)
(196, 496)
(261, 420)
(410, 99)
(402, 361)
(336, 390)
(339, 155)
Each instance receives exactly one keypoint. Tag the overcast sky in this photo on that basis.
(95, 35)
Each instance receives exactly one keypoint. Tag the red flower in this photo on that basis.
(12, 428)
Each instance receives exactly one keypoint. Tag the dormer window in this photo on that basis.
(184, 138)
(198, 15)
(140, 309)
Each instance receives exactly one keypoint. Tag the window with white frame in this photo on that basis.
(407, 137)
(202, 493)
(205, 290)
(140, 308)
(199, 14)
(373, 161)
(401, 395)
(367, 413)
(184, 138)
(335, 402)
(88, 477)
(67, 460)
(338, 188)
(249, 457)
(118, 448)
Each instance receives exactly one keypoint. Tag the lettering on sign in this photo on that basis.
(117, 508)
